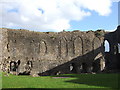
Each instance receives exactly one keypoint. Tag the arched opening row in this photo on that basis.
(85, 67)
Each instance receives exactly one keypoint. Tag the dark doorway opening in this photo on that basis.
(13, 66)
(84, 68)
(73, 68)
(96, 65)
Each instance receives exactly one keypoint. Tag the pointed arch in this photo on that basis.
(78, 46)
(43, 47)
(63, 47)
(107, 46)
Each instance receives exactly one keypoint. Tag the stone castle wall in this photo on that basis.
(53, 52)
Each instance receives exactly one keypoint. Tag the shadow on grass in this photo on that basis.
(109, 81)
(100, 80)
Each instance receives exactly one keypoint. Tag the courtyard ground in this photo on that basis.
(108, 81)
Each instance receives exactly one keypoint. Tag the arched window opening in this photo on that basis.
(118, 47)
(63, 48)
(107, 46)
(13, 66)
(77, 46)
(84, 68)
(29, 63)
(73, 67)
(43, 48)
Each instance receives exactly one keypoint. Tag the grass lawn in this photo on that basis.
(108, 81)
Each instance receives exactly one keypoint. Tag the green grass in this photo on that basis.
(108, 81)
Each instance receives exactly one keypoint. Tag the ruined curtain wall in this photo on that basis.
(49, 50)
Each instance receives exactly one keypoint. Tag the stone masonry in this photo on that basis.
(53, 53)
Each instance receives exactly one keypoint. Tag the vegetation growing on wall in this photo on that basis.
(99, 32)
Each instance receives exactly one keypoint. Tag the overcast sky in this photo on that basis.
(56, 15)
